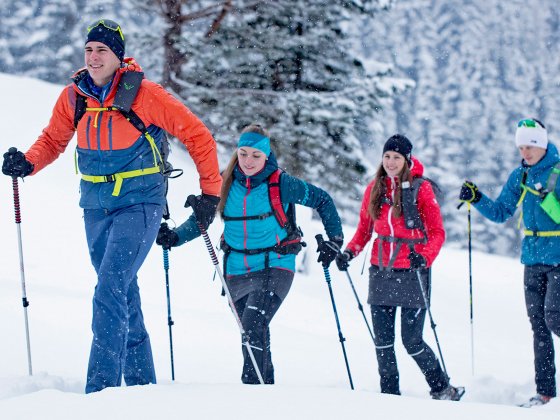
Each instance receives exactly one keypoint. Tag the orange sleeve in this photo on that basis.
(167, 112)
(56, 136)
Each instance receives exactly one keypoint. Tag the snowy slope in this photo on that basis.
(310, 372)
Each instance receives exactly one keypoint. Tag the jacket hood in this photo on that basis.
(255, 180)
(416, 168)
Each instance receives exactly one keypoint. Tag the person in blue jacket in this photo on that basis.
(533, 187)
(259, 254)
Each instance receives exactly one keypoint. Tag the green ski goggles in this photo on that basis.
(109, 24)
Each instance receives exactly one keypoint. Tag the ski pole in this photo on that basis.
(360, 306)
(170, 322)
(17, 212)
(365, 259)
(469, 233)
(191, 200)
(341, 338)
(432, 323)
(470, 284)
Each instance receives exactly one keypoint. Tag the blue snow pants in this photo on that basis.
(118, 243)
(542, 298)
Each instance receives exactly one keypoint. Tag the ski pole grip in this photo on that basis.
(460, 205)
(319, 238)
(17, 210)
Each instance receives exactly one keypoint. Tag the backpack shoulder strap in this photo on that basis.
(79, 108)
(416, 183)
(275, 198)
(553, 178)
(128, 88)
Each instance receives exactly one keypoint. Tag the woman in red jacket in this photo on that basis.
(398, 253)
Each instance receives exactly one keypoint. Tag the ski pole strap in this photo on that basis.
(118, 177)
(545, 233)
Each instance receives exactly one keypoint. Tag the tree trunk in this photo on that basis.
(173, 59)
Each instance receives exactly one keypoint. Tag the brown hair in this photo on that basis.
(227, 174)
(378, 191)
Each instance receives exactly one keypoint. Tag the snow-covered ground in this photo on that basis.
(311, 377)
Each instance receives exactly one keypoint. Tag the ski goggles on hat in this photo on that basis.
(530, 123)
(109, 24)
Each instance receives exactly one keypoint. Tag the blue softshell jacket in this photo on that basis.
(248, 196)
(534, 250)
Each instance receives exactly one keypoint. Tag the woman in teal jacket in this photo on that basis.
(531, 186)
(259, 253)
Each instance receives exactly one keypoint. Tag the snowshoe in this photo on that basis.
(536, 401)
(451, 393)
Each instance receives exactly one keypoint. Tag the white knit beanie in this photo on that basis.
(531, 132)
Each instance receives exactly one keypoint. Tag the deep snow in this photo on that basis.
(310, 372)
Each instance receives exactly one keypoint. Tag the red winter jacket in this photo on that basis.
(389, 225)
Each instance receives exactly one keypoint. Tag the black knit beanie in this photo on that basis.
(400, 144)
(107, 32)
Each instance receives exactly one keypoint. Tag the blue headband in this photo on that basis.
(255, 140)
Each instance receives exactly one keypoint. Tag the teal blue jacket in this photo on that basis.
(248, 196)
(534, 250)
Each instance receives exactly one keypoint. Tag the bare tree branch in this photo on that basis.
(219, 18)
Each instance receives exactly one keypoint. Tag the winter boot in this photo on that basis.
(536, 400)
(450, 393)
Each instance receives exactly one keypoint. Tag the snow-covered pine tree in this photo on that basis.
(289, 66)
(478, 70)
(45, 39)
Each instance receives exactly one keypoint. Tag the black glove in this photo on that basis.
(343, 260)
(204, 208)
(15, 164)
(328, 250)
(166, 237)
(469, 193)
(416, 261)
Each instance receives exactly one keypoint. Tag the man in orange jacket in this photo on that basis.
(122, 190)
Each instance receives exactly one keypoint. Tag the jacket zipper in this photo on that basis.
(389, 217)
(248, 186)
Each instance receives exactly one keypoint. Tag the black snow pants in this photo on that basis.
(256, 311)
(412, 325)
(542, 299)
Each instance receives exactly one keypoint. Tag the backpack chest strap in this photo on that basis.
(254, 217)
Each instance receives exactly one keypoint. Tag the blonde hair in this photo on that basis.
(227, 174)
